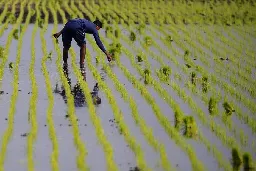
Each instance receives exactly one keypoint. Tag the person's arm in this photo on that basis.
(100, 45)
(56, 35)
(98, 42)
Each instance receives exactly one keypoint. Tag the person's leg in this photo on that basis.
(66, 39)
(82, 55)
(80, 39)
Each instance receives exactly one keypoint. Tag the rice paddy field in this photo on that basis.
(179, 94)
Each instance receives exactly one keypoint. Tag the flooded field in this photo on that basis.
(175, 97)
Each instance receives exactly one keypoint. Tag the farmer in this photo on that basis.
(76, 28)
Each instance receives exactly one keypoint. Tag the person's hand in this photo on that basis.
(109, 57)
(56, 35)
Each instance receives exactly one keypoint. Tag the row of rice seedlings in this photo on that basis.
(241, 46)
(242, 136)
(179, 120)
(8, 43)
(171, 131)
(49, 118)
(152, 55)
(80, 146)
(135, 147)
(244, 117)
(145, 129)
(108, 149)
(244, 74)
(33, 98)
(204, 99)
(236, 44)
(9, 131)
(9, 17)
(247, 40)
(122, 126)
(5, 8)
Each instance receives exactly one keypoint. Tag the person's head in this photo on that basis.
(98, 24)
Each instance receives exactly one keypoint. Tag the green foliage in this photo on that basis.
(186, 53)
(139, 58)
(212, 108)
(205, 84)
(193, 78)
(148, 40)
(141, 28)
(11, 65)
(12, 18)
(228, 108)
(16, 34)
(117, 33)
(41, 22)
(169, 38)
(109, 31)
(1, 52)
(190, 127)
(132, 36)
(236, 160)
(247, 161)
(178, 120)
(146, 76)
(21, 27)
(115, 49)
(49, 56)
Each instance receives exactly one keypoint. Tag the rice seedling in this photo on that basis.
(190, 127)
(212, 107)
(236, 159)
(247, 162)
(132, 36)
(228, 108)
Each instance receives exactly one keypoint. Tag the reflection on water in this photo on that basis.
(79, 98)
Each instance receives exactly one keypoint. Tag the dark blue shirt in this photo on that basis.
(89, 27)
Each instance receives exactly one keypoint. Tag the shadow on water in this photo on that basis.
(77, 92)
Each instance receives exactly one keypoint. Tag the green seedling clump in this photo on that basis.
(205, 84)
(146, 76)
(97, 59)
(148, 40)
(169, 39)
(186, 53)
(247, 161)
(16, 34)
(10, 65)
(236, 160)
(115, 50)
(139, 58)
(212, 108)
(49, 56)
(1, 51)
(21, 27)
(117, 33)
(228, 108)
(132, 36)
(190, 127)
(166, 70)
(12, 17)
(41, 22)
(193, 78)
(109, 31)
(178, 120)
(141, 28)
